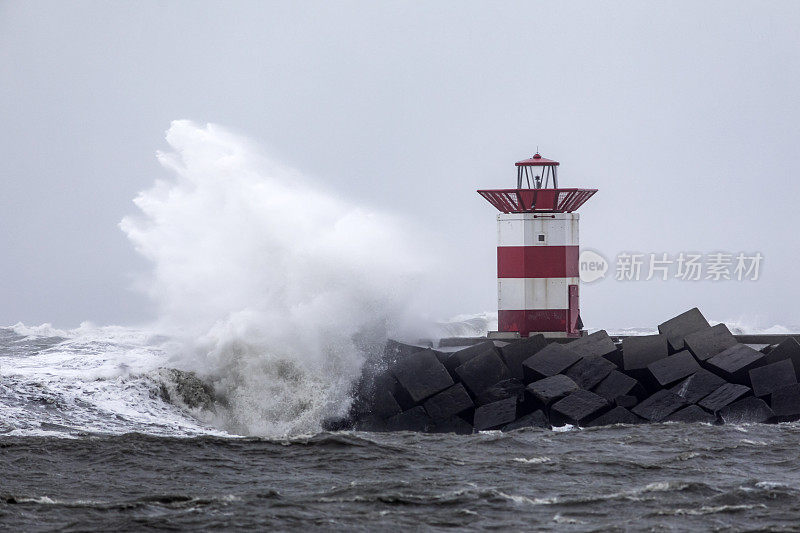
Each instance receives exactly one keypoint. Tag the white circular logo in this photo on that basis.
(592, 266)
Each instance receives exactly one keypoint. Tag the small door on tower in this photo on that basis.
(575, 325)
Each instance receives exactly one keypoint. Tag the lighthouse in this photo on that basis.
(537, 252)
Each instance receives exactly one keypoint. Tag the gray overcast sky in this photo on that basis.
(685, 115)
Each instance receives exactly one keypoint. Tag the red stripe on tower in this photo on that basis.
(537, 261)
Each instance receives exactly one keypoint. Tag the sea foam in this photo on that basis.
(277, 288)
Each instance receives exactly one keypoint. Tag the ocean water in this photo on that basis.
(88, 441)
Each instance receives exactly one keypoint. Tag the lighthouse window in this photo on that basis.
(541, 237)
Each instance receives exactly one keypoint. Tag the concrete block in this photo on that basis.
(421, 375)
(590, 371)
(616, 384)
(460, 357)
(788, 349)
(708, 342)
(691, 414)
(698, 385)
(370, 423)
(640, 351)
(516, 352)
(396, 350)
(495, 415)
(746, 411)
(768, 378)
(598, 344)
(618, 415)
(674, 368)
(677, 328)
(448, 403)
(508, 388)
(551, 360)
(454, 424)
(578, 407)
(734, 363)
(415, 419)
(725, 395)
(626, 400)
(616, 356)
(536, 419)
(659, 406)
(786, 402)
(339, 423)
(383, 404)
(482, 371)
(369, 386)
(442, 356)
(550, 389)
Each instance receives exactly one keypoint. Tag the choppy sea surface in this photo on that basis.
(87, 443)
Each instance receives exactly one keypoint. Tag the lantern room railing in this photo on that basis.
(537, 200)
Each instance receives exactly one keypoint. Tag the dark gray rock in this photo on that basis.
(495, 415)
(442, 356)
(482, 371)
(627, 401)
(369, 423)
(516, 352)
(550, 389)
(454, 424)
(396, 350)
(618, 415)
(677, 328)
(726, 394)
(578, 407)
(415, 419)
(400, 394)
(674, 368)
(509, 388)
(448, 403)
(598, 344)
(735, 362)
(769, 378)
(788, 349)
(536, 419)
(460, 357)
(186, 388)
(786, 401)
(339, 423)
(551, 360)
(640, 351)
(691, 414)
(659, 406)
(616, 384)
(383, 404)
(708, 342)
(746, 411)
(421, 375)
(698, 386)
(590, 371)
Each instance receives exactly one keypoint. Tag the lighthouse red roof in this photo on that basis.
(537, 200)
(537, 161)
(537, 197)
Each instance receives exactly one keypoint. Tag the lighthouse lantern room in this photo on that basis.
(537, 252)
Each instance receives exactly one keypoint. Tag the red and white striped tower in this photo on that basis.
(537, 252)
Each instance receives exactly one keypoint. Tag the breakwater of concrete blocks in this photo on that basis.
(689, 372)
